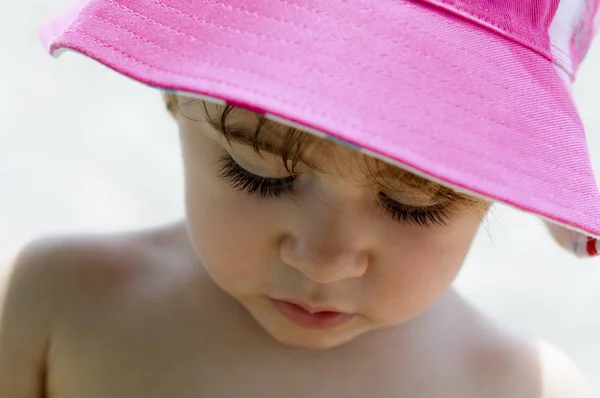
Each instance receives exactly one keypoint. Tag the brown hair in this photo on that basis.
(297, 142)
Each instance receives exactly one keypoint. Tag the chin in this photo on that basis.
(312, 340)
(313, 344)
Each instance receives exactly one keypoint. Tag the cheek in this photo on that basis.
(230, 236)
(429, 262)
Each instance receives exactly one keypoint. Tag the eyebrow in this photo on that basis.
(243, 139)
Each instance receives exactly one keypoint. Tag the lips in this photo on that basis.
(311, 317)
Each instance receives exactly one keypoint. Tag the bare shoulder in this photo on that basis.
(57, 277)
(505, 364)
(53, 277)
(62, 269)
(526, 368)
(561, 378)
(59, 280)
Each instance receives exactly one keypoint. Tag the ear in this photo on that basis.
(170, 102)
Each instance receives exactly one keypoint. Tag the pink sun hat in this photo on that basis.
(475, 94)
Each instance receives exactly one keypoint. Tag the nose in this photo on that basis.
(328, 251)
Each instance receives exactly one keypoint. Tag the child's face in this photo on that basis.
(329, 239)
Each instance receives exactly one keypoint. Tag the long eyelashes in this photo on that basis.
(243, 180)
(254, 185)
(425, 216)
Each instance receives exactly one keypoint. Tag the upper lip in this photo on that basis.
(313, 309)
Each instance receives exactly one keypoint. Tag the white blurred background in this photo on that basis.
(85, 149)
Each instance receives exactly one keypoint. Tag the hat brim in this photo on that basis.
(406, 82)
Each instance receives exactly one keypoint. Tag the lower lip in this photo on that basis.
(318, 320)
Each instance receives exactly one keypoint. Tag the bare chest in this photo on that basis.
(171, 358)
(154, 342)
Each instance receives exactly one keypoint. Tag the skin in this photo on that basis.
(183, 310)
(327, 245)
